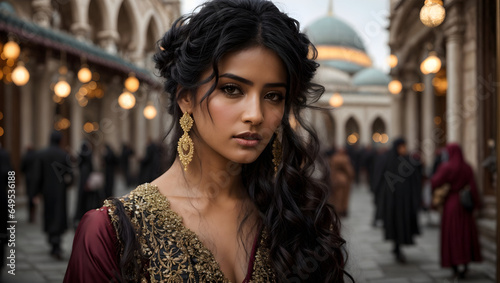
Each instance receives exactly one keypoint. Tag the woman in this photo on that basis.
(342, 175)
(459, 237)
(398, 200)
(238, 203)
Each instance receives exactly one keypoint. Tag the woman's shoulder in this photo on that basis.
(145, 196)
(93, 256)
(143, 204)
(94, 222)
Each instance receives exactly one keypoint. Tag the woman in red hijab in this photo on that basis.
(459, 237)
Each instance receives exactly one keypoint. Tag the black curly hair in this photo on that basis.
(303, 229)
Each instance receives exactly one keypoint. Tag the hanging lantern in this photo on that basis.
(126, 100)
(353, 138)
(395, 87)
(392, 60)
(11, 50)
(431, 64)
(62, 88)
(132, 83)
(20, 75)
(384, 138)
(336, 100)
(432, 13)
(84, 75)
(149, 112)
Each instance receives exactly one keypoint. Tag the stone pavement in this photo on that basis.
(370, 258)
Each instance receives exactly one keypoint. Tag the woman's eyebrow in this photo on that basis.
(250, 83)
(238, 78)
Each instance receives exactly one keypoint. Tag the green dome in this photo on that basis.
(332, 31)
(371, 77)
(348, 67)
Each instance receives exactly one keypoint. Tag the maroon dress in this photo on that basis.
(459, 236)
(174, 253)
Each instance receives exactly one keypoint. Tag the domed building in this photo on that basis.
(346, 72)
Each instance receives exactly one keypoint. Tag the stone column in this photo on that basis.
(42, 12)
(76, 128)
(155, 129)
(140, 136)
(341, 137)
(80, 27)
(411, 107)
(454, 32)
(44, 104)
(397, 116)
(411, 127)
(27, 120)
(8, 116)
(365, 135)
(428, 109)
(107, 40)
(109, 119)
(81, 31)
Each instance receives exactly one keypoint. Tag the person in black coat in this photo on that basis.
(150, 164)
(5, 167)
(28, 168)
(127, 152)
(399, 191)
(87, 198)
(54, 174)
(110, 162)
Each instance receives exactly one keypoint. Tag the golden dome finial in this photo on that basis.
(330, 8)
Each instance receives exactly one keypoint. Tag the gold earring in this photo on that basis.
(277, 153)
(185, 146)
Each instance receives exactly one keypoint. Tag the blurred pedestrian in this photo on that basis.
(459, 235)
(354, 154)
(5, 167)
(150, 164)
(110, 163)
(53, 175)
(87, 197)
(380, 161)
(368, 159)
(127, 152)
(28, 168)
(399, 198)
(342, 175)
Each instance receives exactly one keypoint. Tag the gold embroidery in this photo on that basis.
(175, 253)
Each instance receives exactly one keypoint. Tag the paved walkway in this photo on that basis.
(370, 258)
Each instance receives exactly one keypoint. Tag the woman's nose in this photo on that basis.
(253, 113)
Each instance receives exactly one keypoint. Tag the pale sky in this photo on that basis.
(369, 18)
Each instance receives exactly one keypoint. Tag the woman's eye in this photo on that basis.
(231, 89)
(275, 96)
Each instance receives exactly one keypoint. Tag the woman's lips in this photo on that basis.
(248, 139)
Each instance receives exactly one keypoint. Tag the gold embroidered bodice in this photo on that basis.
(175, 253)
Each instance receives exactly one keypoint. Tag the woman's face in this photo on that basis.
(237, 121)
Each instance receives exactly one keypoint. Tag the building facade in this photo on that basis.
(361, 114)
(459, 103)
(115, 40)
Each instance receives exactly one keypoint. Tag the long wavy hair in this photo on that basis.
(303, 229)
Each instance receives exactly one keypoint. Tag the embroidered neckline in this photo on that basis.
(175, 252)
(179, 225)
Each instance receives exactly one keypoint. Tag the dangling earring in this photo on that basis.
(277, 153)
(185, 146)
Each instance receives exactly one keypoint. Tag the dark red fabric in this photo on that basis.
(93, 258)
(252, 259)
(459, 236)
